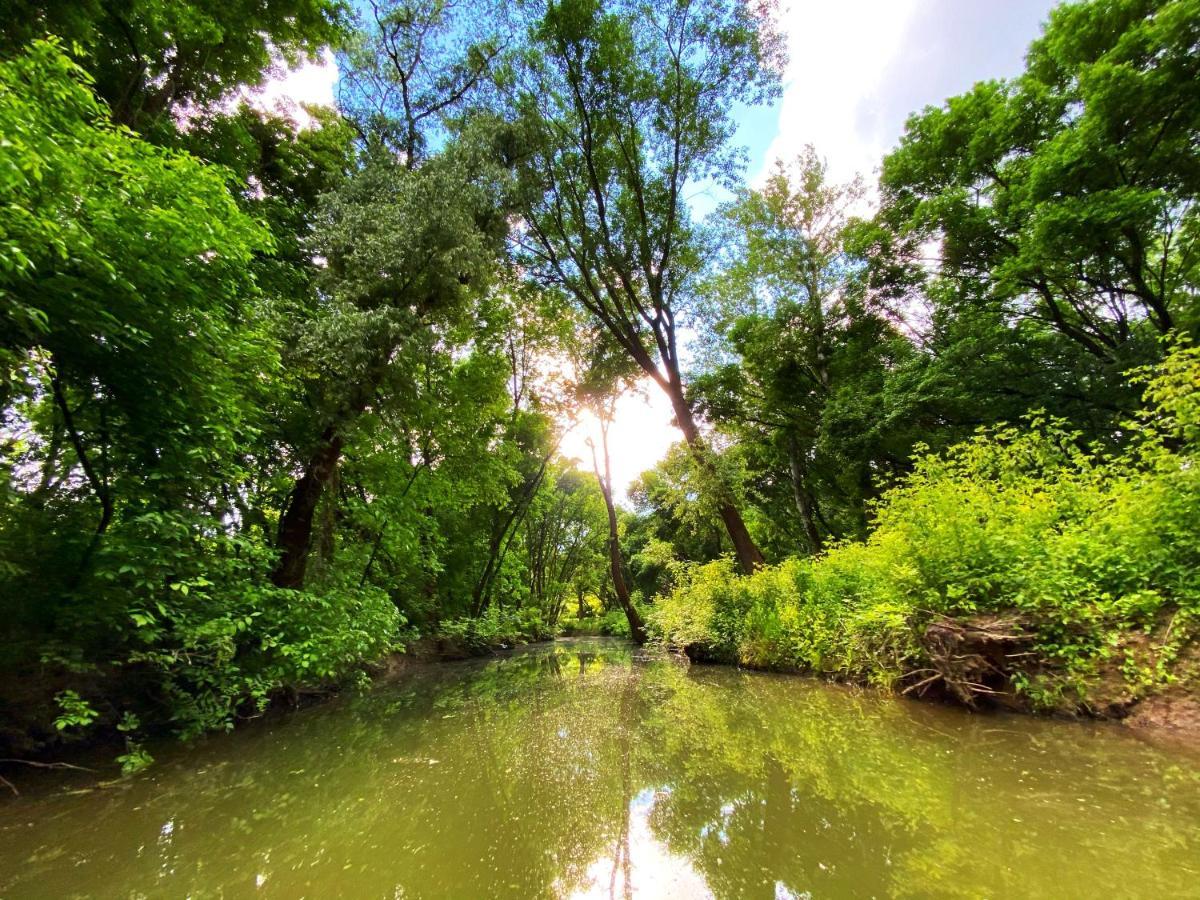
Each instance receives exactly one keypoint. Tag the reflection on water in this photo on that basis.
(577, 770)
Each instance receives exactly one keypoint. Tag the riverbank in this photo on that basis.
(1169, 717)
(1145, 675)
(1169, 713)
(1018, 569)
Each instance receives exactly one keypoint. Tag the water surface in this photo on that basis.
(583, 769)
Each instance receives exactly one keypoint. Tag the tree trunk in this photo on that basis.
(804, 501)
(637, 628)
(497, 547)
(296, 525)
(748, 555)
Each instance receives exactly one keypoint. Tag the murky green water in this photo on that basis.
(580, 770)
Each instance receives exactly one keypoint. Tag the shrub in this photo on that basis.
(181, 630)
(497, 627)
(1083, 548)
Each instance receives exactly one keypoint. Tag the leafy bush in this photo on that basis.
(498, 627)
(181, 630)
(1085, 549)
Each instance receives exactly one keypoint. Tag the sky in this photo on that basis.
(857, 70)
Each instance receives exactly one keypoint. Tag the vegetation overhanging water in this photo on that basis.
(286, 391)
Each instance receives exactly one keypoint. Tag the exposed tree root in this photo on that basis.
(971, 658)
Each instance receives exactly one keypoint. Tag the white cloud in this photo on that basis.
(859, 68)
(838, 53)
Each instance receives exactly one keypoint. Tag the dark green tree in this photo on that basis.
(802, 362)
(1067, 196)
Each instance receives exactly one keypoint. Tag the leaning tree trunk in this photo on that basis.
(296, 524)
(498, 546)
(748, 555)
(637, 628)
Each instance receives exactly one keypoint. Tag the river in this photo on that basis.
(585, 768)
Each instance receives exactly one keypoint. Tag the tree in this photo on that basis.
(674, 508)
(409, 242)
(153, 58)
(562, 536)
(604, 374)
(627, 106)
(128, 317)
(1067, 196)
(137, 351)
(604, 417)
(801, 360)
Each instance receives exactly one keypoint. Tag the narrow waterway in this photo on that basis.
(585, 769)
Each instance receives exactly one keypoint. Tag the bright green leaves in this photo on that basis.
(122, 259)
(801, 363)
(1085, 550)
(75, 711)
(1068, 194)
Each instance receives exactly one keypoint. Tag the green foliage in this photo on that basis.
(497, 628)
(625, 108)
(1083, 548)
(192, 619)
(1068, 195)
(611, 623)
(805, 371)
(123, 261)
(134, 352)
(76, 712)
(134, 759)
(152, 58)
(274, 398)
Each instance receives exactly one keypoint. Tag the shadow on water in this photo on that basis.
(582, 769)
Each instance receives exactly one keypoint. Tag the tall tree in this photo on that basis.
(408, 242)
(1067, 196)
(628, 106)
(562, 537)
(153, 58)
(801, 360)
(604, 374)
(127, 300)
(604, 416)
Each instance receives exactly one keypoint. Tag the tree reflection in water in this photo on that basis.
(579, 770)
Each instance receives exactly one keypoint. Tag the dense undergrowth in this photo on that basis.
(1018, 564)
(497, 628)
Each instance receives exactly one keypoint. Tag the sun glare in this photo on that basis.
(640, 435)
